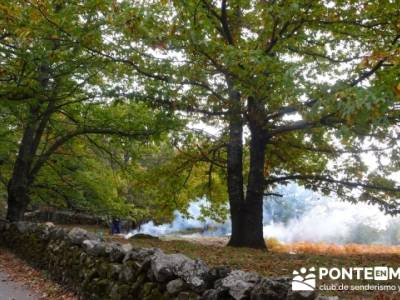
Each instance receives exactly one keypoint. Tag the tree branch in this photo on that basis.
(273, 194)
(329, 150)
(225, 23)
(351, 184)
(322, 56)
(374, 69)
(289, 110)
(298, 125)
(61, 141)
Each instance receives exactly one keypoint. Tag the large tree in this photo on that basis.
(301, 89)
(52, 92)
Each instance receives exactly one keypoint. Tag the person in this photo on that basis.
(116, 226)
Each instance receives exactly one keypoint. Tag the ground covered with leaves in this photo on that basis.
(36, 281)
(280, 259)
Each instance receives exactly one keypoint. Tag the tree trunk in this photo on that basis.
(253, 210)
(247, 214)
(235, 167)
(17, 201)
(18, 186)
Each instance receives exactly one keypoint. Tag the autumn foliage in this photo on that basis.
(331, 249)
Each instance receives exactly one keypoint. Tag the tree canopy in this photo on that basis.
(291, 91)
(58, 122)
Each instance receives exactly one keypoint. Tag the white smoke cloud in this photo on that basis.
(300, 215)
(329, 221)
(180, 224)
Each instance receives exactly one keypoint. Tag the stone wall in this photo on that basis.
(100, 270)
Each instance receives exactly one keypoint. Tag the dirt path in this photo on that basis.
(19, 281)
(10, 289)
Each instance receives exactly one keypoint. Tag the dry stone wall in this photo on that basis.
(98, 270)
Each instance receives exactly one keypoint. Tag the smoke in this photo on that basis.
(300, 215)
(334, 222)
(183, 226)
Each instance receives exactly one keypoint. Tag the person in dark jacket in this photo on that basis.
(115, 226)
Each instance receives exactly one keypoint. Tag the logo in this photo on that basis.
(381, 273)
(303, 280)
(306, 279)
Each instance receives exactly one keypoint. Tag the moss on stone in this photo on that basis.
(92, 277)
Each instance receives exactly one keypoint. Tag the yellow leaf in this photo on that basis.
(397, 89)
